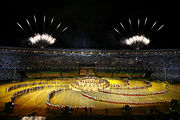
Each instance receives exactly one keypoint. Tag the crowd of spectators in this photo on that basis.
(9, 74)
(13, 60)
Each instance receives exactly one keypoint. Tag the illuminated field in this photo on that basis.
(36, 101)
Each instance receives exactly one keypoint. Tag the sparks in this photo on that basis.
(139, 36)
(44, 37)
(137, 41)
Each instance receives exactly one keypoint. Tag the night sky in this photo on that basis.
(90, 23)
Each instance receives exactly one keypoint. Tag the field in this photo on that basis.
(35, 101)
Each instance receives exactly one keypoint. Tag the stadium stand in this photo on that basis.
(161, 64)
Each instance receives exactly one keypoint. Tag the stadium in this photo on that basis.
(90, 60)
(89, 82)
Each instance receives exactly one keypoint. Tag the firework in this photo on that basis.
(42, 38)
(137, 41)
(140, 36)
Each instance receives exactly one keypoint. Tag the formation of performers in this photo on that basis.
(28, 90)
(86, 80)
(116, 86)
(93, 81)
(89, 84)
(24, 91)
(59, 106)
(135, 94)
(126, 82)
(122, 102)
(31, 84)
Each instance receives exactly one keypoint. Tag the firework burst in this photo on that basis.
(45, 37)
(137, 36)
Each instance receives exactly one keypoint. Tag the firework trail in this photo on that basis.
(29, 26)
(36, 23)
